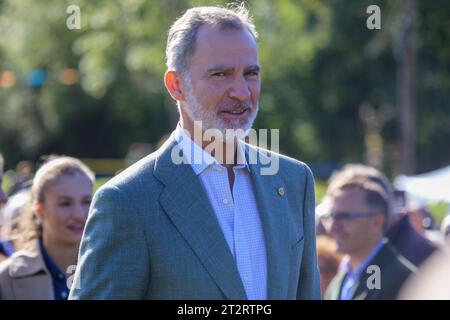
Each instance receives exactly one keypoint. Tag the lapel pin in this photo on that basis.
(280, 191)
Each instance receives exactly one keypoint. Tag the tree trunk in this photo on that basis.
(406, 90)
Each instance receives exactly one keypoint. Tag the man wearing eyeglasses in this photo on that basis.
(357, 220)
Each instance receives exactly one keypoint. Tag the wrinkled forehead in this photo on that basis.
(214, 32)
(215, 46)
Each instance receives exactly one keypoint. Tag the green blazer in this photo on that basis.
(394, 270)
(152, 234)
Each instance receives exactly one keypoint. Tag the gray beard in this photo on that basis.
(209, 118)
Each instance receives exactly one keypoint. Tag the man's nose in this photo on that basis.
(240, 89)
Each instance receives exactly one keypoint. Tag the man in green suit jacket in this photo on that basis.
(359, 210)
(171, 228)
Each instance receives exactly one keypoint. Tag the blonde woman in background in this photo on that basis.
(50, 232)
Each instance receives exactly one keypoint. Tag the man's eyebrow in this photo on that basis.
(254, 67)
(64, 197)
(223, 68)
(218, 68)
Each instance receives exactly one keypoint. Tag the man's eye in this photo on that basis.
(218, 74)
(344, 216)
(253, 73)
(64, 204)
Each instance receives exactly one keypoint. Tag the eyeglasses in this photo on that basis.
(345, 216)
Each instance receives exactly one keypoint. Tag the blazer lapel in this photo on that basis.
(334, 289)
(188, 207)
(362, 290)
(272, 206)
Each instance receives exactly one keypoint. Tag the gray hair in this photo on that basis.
(183, 33)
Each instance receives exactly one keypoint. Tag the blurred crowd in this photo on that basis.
(371, 243)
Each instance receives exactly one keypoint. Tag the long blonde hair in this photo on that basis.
(30, 227)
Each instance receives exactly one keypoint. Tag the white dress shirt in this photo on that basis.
(236, 211)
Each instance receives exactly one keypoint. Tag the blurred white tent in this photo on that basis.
(427, 187)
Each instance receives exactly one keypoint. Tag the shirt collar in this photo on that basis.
(200, 159)
(356, 273)
(51, 266)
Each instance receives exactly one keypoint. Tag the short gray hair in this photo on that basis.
(183, 33)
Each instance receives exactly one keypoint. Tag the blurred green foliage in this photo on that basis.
(321, 188)
(439, 210)
(319, 64)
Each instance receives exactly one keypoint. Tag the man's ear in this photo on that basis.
(172, 82)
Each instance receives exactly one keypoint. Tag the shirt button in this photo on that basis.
(64, 294)
(61, 276)
(225, 201)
